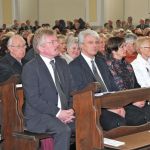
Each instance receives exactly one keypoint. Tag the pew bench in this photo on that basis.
(89, 133)
(13, 133)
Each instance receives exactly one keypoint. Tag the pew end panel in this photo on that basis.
(12, 120)
(86, 120)
(9, 120)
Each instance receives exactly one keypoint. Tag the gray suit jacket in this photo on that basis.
(40, 91)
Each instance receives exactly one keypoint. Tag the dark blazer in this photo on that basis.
(41, 94)
(83, 75)
(8, 67)
(30, 54)
(142, 26)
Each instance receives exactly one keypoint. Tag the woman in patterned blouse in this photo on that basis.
(124, 77)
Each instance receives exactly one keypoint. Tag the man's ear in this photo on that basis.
(138, 50)
(41, 48)
(9, 48)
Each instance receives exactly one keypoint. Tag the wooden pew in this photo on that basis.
(89, 133)
(13, 132)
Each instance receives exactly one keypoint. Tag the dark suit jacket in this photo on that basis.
(29, 55)
(8, 67)
(41, 94)
(83, 75)
(142, 26)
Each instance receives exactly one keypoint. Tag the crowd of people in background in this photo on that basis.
(118, 53)
(67, 28)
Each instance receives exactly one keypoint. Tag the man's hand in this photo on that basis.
(139, 104)
(66, 116)
(119, 111)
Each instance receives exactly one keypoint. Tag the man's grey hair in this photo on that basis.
(9, 43)
(130, 38)
(85, 33)
(39, 37)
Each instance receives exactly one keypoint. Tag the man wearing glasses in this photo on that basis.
(11, 63)
(141, 65)
(47, 84)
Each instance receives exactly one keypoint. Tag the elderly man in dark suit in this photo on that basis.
(47, 85)
(12, 62)
(85, 70)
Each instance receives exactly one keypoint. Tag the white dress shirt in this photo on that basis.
(141, 69)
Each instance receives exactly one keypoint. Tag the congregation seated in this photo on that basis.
(114, 74)
(124, 77)
(88, 67)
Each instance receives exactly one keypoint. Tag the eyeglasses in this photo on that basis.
(19, 46)
(92, 42)
(51, 42)
(146, 47)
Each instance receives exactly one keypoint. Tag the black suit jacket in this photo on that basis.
(83, 75)
(142, 26)
(8, 67)
(40, 91)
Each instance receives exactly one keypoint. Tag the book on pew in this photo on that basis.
(112, 142)
(103, 93)
(18, 85)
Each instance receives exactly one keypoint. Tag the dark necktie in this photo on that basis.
(58, 86)
(98, 78)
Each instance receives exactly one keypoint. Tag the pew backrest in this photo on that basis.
(89, 133)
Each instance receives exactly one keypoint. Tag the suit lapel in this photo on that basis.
(104, 71)
(44, 71)
(86, 68)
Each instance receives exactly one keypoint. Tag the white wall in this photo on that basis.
(28, 9)
(137, 9)
(51, 10)
(1, 15)
(113, 10)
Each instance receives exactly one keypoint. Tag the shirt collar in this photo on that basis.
(87, 58)
(47, 60)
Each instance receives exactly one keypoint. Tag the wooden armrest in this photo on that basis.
(94, 86)
(31, 135)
